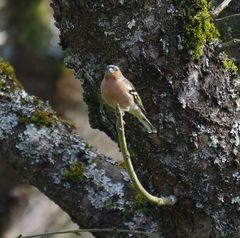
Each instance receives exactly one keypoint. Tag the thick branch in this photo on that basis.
(47, 152)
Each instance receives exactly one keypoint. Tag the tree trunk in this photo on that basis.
(193, 103)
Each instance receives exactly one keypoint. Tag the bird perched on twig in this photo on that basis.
(116, 89)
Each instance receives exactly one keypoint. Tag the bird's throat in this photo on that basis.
(110, 77)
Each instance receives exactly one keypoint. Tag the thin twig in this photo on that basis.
(171, 200)
(220, 8)
(227, 17)
(77, 232)
(229, 44)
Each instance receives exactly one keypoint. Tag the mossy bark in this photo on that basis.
(193, 103)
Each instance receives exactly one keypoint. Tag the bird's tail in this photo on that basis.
(143, 119)
(148, 125)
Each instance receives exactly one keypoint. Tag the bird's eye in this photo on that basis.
(116, 69)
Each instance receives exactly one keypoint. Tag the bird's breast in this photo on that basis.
(116, 92)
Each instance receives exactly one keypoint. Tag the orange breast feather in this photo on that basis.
(116, 92)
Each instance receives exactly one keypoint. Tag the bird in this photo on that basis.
(117, 90)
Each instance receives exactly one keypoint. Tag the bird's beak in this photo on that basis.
(110, 70)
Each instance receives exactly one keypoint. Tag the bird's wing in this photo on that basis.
(135, 95)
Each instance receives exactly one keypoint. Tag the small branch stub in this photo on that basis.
(170, 200)
(228, 45)
(227, 17)
(220, 8)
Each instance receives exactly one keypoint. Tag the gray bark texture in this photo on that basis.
(194, 105)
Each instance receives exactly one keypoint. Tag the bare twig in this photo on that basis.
(220, 8)
(229, 44)
(78, 232)
(171, 200)
(227, 17)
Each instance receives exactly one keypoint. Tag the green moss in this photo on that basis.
(121, 164)
(1, 83)
(198, 25)
(110, 205)
(75, 172)
(9, 81)
(6, 69)
(139, 200)
(39, 118)
(229, 65)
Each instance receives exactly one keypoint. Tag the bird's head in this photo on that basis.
(112, 72)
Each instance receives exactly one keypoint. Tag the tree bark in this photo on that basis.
(193, 103)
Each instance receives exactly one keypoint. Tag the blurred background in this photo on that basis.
(29, 41)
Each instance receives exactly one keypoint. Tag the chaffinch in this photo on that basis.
(116, 89)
